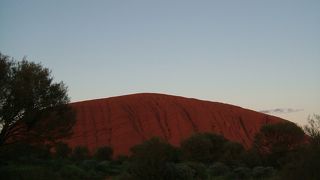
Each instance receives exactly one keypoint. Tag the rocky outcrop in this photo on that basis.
(124, 121)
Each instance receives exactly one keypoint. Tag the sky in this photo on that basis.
(261, 55)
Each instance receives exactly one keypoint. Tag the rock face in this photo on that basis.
(124, 121)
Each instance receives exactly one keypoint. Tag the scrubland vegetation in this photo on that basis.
(280, 151)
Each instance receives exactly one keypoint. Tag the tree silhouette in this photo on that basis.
(32, 106)
(275, 141)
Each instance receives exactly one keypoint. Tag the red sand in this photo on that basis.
(124, 121)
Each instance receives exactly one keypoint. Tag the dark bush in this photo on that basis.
(23, 152)
(303, 165)
(242, 173)
(80, 153)
(232, 153)
(275, 141)
(149, 159)
(26, 172)
(251, 158)
(89, 164)
(121, 159)
(62, 150)
(199, 168)
(179, 171)
(103, 153)
(73, 172)
(109, 168)
(203, 147)
(218, 169)
(260, 172)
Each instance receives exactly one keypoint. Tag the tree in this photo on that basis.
(279, 137)
(313, 130)
(233, 152)
(275, 141)
(305, 163)
(32, 106)
(103, 153)
(203, 147)
(80, 153)
(149, 159)
(62, 150)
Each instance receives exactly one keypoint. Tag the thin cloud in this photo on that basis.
(280, 110)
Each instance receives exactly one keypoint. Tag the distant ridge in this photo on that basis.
(124, 121)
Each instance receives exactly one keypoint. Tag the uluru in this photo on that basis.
(124, 121)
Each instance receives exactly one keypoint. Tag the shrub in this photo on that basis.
(80, 153)
(242, 173)
(149, 159)
(251, 158)
(203, 147)
(312, 129)
(89, 164)
(232, 153)
(262, 172)
(73, 172)
(109, 168)
(103, 153)
(121, 159)
(303, 165)
(62, 150)
(275, 141)
(23, 152)
(26, 172)
(199, 168)
(218, 169)
(180, 171)
(184, 171)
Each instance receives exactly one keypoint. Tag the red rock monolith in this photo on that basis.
(124, 121)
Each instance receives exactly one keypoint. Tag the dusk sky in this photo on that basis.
(261, 55)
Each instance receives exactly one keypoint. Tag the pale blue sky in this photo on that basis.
(255, 54)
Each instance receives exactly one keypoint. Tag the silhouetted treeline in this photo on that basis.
(280, 151)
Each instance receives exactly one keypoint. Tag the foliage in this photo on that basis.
(121, 159)
(305, 163)
(155, 159)
(179, 171)
(203, 147)
(312, 129)
(148, 160)
(232, 153)
(23, 152)
(80, 153)
(72, 172)
(241, 173)
(199, 169)
(218, 169)
(260, 172)
(103, 153)
(275, 141)
(251, 158)
(62, 150)
(26, 172)
(32, 106)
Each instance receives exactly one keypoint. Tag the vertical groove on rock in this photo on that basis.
(187, 116)
(165, 120)
(93, 121)
(136, 124)
(105, 124)
(108, 107)
(156, 113)
(84, 126)
(245, 131)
